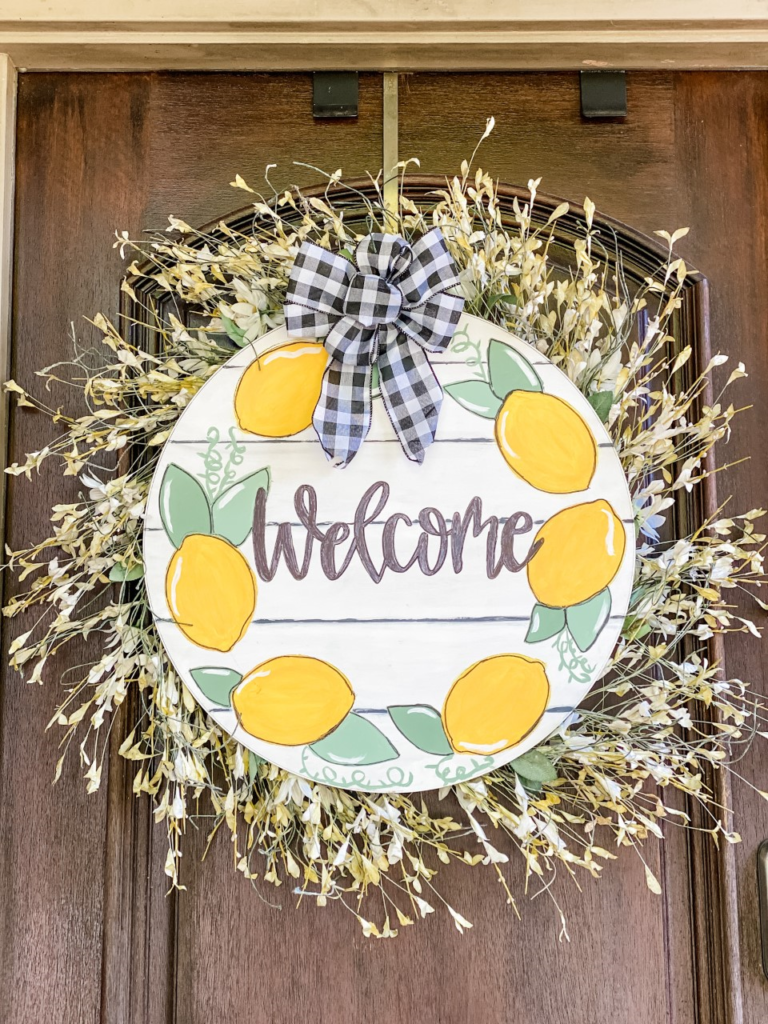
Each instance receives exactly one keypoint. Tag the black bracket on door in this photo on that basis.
(334, 94)
(603, 94)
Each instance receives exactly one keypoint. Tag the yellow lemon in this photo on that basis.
(278, 393)
(581, 552)
(495, 703)
(211, 591)
(546, 442)
(292, 700)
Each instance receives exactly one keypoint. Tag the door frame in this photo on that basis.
(259, 35)
(548, 45)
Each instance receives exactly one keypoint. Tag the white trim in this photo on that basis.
(390, 139)
(7, 175)
(238, 13)
(389, 51)
(71, 35)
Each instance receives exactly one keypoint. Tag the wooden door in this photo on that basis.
(88, 933)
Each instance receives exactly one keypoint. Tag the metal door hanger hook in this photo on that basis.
(603, 94)
(334, 94)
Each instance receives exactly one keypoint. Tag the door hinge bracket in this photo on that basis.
(603, 94)
(334, 94)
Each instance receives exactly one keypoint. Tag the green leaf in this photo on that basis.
(534, 766)
(529, 786)
(475, 396)
(254, 760)
(601, 402)
(216, 683)
(586, 620)
(494, 300)
(545, 623)
(234, 333)
(509, 371)
(184, 507)
(233, 509)
(355, 741)
(635, 628)
(119, 574)
(421, 726)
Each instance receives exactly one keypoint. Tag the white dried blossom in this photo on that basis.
(337, 845)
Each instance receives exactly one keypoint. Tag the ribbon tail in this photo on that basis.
(342, 416)
(411, 394)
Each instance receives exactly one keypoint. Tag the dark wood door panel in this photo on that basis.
(627, 166)
(84, 933)
(690, 153)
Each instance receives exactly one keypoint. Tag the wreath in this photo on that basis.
(661, 716)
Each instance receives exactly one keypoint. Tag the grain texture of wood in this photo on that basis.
(84, 925)
(726, 203)
(688, 154)
(86, 934)
(53, 902)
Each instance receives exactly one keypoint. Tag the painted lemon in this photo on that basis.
(211, 591)
(546, 442)
(292, 700)
(278, 393)
(495, 703)
(581, 552)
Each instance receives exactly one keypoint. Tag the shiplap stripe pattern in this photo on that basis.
(406, 639)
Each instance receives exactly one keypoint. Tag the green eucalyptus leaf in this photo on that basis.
(355, 741)
(233, 509)
(586, 620)
(601, 402)
(534, 766)
(505, 297)
(509, 371)
(635, 628)
(254, 760)
(545, 623)
(216, 683)
(475, 396)
(184, 507)
(234, 333)
(119, 574)
(421, 725)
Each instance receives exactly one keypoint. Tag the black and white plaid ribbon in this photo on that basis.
(391, 308)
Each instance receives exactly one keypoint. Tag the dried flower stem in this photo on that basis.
(648, 726)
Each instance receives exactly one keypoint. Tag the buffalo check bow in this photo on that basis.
(389, 308)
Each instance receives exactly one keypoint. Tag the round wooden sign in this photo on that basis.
(390, 626)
